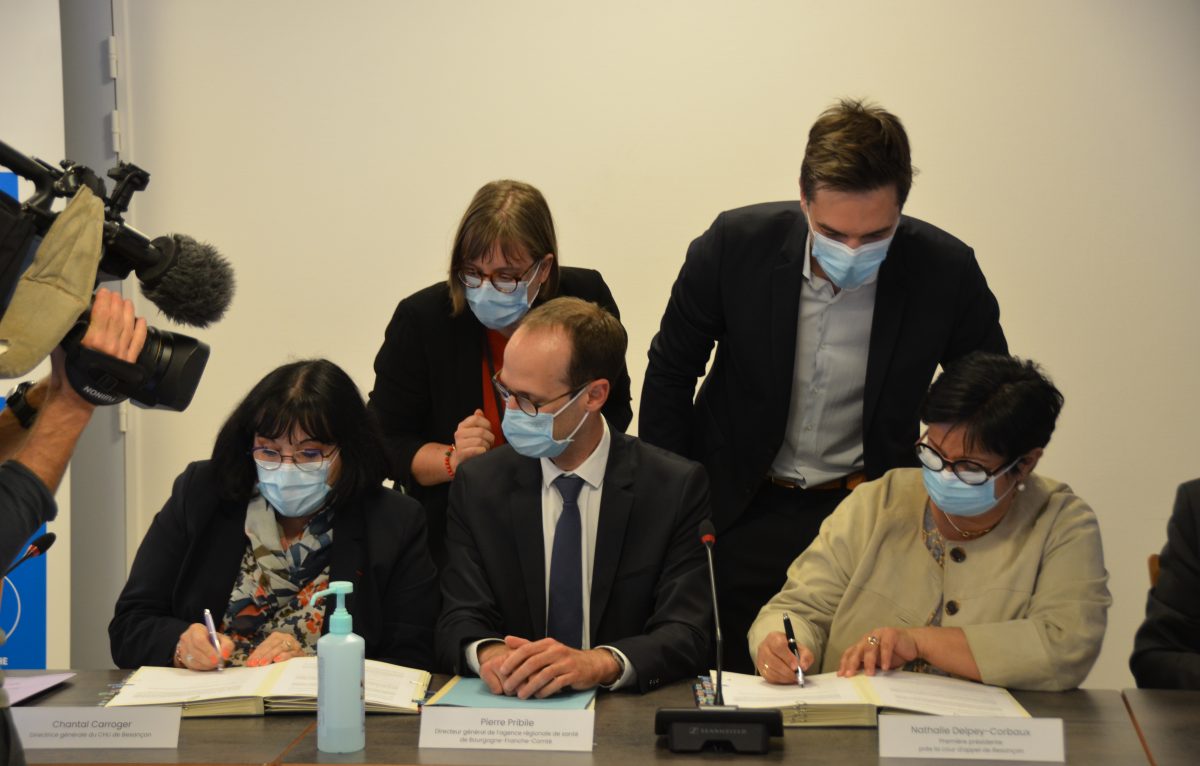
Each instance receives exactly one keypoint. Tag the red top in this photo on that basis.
(497, 342)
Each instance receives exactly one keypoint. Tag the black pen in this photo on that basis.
(791, 637)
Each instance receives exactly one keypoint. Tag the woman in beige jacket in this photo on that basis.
(972, 565)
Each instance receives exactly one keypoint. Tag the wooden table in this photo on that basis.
(1168, 722)
(1097, 723)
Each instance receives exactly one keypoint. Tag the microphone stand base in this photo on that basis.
(721, 728)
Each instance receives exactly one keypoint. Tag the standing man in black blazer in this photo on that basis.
(574, 556)
(830, 318)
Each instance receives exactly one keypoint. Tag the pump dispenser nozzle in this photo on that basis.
(341, 622)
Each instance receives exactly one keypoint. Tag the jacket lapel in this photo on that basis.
(467, 344)
(787, 274)
(616, 503)
(217, 552)
(890, 294)
(525, 521)
(347, 562)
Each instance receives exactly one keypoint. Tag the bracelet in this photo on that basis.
(449, 469)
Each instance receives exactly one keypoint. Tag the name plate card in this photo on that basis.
(515, 729)
(97, 727)
(972, 738)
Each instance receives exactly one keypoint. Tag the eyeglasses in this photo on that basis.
(303, 459)
(505, 283)
(524, 403)
(968, 471)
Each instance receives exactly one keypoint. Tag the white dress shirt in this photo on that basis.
(592, 472)
(823, 439)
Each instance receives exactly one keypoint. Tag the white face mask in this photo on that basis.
(292, 492)
(849, 267)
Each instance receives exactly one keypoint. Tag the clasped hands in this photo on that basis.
(195, 649)
(522, 668)
(883, 648)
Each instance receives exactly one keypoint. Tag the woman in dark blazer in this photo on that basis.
(290, 501)
(433, 396)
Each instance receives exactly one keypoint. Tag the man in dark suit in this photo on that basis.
(574, 556)
(1166, 650)
(830, 318)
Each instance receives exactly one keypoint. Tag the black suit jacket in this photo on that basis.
(649, 594)
(190, 557)
(740, 289)
(1166, 650)
(427, 379)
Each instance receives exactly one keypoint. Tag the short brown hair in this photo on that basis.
(856, 146)
(598, 339)
(513, 215)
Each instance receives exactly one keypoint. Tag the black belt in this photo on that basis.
(850, 481)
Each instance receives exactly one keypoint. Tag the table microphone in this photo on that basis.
(35, 549)
(717, 727)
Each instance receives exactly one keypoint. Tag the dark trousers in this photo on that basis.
(752, 558)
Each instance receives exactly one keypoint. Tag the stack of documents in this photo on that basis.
(289, 686)
(827, 700)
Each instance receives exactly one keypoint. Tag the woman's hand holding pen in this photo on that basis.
(195, 650)
(775, 660)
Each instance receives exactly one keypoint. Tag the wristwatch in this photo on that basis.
(22, 410)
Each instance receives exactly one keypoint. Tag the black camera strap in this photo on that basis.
(97, 377)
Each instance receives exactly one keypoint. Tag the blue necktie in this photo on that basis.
(564, 619)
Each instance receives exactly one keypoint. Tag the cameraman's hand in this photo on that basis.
(114, 329)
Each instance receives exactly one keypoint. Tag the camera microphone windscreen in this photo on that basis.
(196, 285)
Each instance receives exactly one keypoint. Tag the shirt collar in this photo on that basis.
(591, 470)
(812, 279)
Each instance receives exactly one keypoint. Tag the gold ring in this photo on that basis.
(873, 640)
(766, 666)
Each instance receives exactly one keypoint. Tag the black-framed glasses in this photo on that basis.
(304, 459)
(505, 283)
(524, 403)
(967, 471)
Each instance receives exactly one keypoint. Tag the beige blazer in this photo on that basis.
(1031, 595)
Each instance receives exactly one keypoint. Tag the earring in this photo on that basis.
(1020, 486)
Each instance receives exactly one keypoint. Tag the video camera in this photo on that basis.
(189, 281)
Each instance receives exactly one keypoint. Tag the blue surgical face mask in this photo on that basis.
(955, 497)
(849, 267)
(496, 310)
(292, 492)
(533, 435)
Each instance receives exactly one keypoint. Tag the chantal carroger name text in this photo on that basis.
(965, 731)
(91, 724)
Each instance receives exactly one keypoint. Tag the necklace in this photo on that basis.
(965, 534)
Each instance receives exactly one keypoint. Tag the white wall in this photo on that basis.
(31, 121)
(329, 151)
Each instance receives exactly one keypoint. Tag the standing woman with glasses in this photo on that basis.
(971, 566)
(291, 500)
(433, 395)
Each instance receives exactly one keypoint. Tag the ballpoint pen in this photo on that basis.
(212, 636)
(791, 638)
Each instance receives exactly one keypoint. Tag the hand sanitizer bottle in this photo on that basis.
(341, 663)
